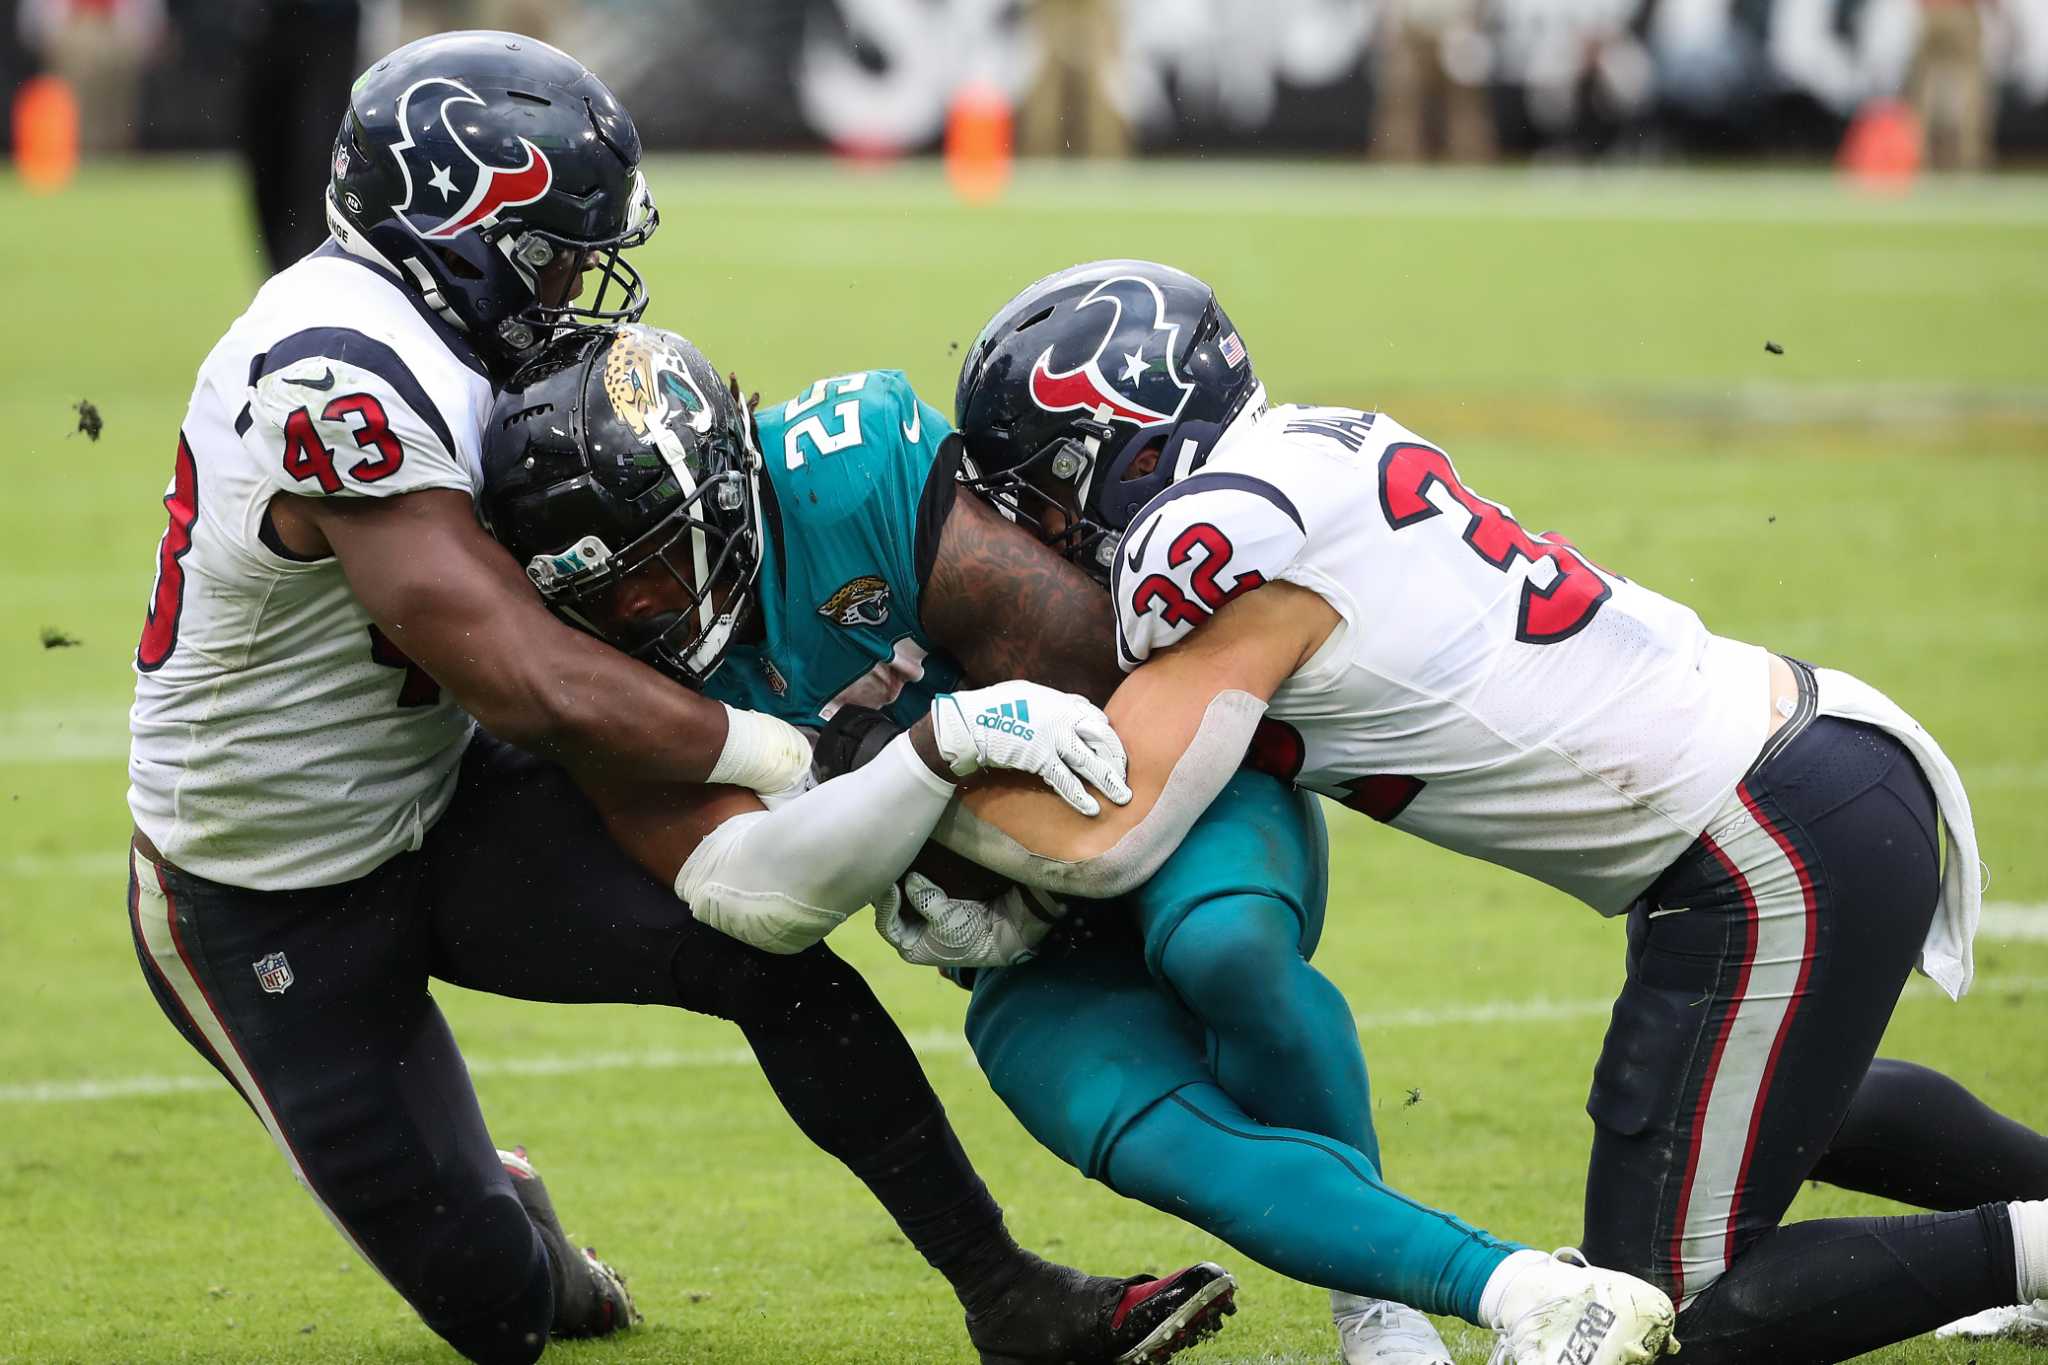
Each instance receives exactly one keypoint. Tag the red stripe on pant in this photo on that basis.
(1706, 1090)
(198, 1034)
(259, 1100)
(1810, 911)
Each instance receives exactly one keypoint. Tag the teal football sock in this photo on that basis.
(1307, 1206)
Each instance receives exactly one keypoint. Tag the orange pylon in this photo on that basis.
(45, 132)
(1881, 150)
(978, 130)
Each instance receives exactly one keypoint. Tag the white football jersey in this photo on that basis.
(1493, 691)
(278, 739)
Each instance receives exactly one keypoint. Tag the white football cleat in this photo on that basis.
(1382, 1332)
(2026, 1322)
(1565, 1312)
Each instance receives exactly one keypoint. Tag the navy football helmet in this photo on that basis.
(1078, 402)
(624, 476)
(471, 163)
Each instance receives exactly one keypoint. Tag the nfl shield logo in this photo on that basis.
(273, 973)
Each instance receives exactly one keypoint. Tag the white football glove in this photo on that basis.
(928, 928)
(1058, 737)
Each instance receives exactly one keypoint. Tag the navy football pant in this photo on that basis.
(516, 891)
(1762, 970)
(1914, 1135)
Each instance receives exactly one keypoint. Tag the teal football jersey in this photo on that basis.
(848, 465)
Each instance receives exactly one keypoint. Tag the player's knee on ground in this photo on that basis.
(481, 1281)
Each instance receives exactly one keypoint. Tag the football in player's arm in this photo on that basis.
(881, 586)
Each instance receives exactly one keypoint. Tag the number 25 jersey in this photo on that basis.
(1493, 691)
(278, 740)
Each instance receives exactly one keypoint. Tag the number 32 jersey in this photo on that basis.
(278, 739)
(1493, 691)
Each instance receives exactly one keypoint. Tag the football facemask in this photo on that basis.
(674, 597)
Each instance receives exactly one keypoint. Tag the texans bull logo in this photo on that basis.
(472, 192)
(1144, 371)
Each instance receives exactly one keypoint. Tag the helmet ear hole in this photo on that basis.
(1143, 463)
(460, 268)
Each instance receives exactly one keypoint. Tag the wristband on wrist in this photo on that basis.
(761, 753)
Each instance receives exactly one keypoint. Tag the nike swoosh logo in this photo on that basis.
(324, 382)
(915, 426)
(1137, 552)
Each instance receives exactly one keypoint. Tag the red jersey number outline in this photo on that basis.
(1547, 615)
(1175, 606)
(167, 598)
(1278, 750)
(307, 457)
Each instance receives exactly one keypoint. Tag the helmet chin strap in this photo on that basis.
(707, 608)
(711, 645)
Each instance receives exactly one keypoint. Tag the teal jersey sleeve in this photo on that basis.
(859, 480)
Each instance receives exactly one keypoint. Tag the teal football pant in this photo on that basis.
(1178, 1047)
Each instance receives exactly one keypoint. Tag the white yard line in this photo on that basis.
(2012, 922)
(65, 734)
(104, 865)
(1539, 1009)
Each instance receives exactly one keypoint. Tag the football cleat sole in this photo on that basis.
(1189, 1325)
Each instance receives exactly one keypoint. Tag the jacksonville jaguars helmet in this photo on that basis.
(470, 163)
(1090, 392)
(625, 478)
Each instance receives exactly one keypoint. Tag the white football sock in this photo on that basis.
(2030, 1247)
(1493, 1303)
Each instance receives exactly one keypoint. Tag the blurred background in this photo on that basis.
(1884, 87)
(1748, 297)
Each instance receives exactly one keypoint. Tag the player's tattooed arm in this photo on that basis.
(1005, 606)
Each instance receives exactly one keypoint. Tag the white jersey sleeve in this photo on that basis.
(279, 738)
(1203, 541)
(334, 411)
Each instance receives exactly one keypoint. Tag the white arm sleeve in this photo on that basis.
(1198, 775)
(782, 879)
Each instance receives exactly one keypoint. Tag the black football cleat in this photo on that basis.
(1054, 1315)
(1158, 1319)
(591, 1299)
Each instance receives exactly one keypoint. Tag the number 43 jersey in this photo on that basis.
(1491, 690)
(278, 739)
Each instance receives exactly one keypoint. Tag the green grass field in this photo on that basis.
(1590, 348)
